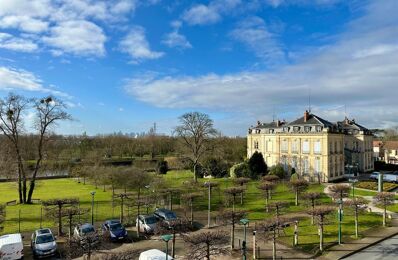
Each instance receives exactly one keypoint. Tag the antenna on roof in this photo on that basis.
(273, 113)
(345, 110)
(309, 99)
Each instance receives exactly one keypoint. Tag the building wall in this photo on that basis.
(324, 160)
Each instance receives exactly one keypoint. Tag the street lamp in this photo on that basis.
(340, 218)
(92, 207)
(353, 181)
(166, 238)
(244, 222)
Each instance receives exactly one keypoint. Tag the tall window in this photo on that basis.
(294, 163)
(317, 165)
(317, 147)
(284, 162)
(306, 165)
(269, 146)
(284, 146)
(306, 146)
(295, 146)
(255, 144)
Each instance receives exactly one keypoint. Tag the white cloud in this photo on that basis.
(176, 40)
(201, 14)
(24, 23)
(77, 37)
(7, 41)
(367, 84)
(255, 35)
(11, 78)
(136, 45)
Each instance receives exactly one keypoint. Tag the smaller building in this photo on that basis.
(386, 151)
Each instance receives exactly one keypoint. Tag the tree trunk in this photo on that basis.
(356, 223)
(173, 245)
(195, 177)
(121, 209)
(233, 235)
(207, 251)
(385, 216)
(138, 211)
(312, 216)
(59, 220)
(274, 246)
(321, 237)
(266, 204)
(296, 199)
(191, 212)
(241, 198)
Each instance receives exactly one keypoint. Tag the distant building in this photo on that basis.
(386, 151)
(316, 148)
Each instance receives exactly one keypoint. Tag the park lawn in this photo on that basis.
(393, 208)
(51, 189)
(308, 233)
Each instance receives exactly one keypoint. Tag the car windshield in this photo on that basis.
(150, 220)
(117, 226)
(86, 230)
(170, 215)
(44, 239)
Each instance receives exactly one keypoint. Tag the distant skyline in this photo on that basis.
(121, 65)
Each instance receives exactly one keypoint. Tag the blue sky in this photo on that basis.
(121, 65)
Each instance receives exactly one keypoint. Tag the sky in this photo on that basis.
(122, 65)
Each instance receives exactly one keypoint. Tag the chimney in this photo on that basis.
(306, 115)
(258, 123)
(278, 123)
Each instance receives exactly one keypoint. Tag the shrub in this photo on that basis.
(278, 171)
(215, 167)
(257, 166)
(162, 167)
(239, 170)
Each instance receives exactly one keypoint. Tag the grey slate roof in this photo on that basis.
(312, 120)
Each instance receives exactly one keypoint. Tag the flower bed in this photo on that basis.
(372, 185)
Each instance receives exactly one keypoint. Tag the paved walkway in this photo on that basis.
(372, 236)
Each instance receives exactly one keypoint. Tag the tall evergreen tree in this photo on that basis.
(257, 165)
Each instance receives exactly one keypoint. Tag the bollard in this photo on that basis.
(295, 233)
(254, 244)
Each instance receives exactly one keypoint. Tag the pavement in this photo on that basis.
(386, 250)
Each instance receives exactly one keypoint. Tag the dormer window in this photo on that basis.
(307, 129)
(319, 128)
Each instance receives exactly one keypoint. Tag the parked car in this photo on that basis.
(86, 233)
(165, 215)
(387, 176)
(43, 243)
(116, 230)
(153, 254)
(147, 223)
(374, 176)
(11, 247)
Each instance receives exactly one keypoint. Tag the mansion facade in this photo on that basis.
(317, 149)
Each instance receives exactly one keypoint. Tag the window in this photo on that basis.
(306, 146)
(317, 165)
(319, 128)
(255, 144)
(331, 147)
(284, 163)
(307, 129)
(295, 146)
(269, 146)
(317, 147)
(296, 129)
(306, 166)
(284, 146)
(294, 163)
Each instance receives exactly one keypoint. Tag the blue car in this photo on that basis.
(116, 230)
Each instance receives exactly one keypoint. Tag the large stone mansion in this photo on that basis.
(316, 148)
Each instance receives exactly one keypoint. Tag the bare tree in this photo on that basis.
(384, 199)
(270, 178)
(340, 191)
(70, 213)
(121, 198)
(232, 217)
(297, 186)
(126, 255)
(205, 244)
(278, 206)
(188, 199)
(195, 129)
(56, 209)
(12, 109)
(270, 229)
(49, 112)
(85, 246)
(266, 187)
(358, 205)
(242, 181)
(233, 192)
(320, 213)
(312, 197)
(178, 226)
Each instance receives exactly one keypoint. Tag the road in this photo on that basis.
(386, 250)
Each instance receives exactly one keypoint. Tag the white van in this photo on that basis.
(11, 247)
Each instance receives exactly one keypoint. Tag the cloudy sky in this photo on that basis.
(121, 65)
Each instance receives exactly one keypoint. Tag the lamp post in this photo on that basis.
(166, 238)
(208, 184)
(92, 207)
(353, 181)
(244, 222)
(340, 218)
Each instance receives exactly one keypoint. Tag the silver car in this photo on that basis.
(43, 243)
(147, 223)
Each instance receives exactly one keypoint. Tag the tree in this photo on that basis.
(122, 197)
(239, 170)
(320, 213)
(269, 230)
(358, 205)
(178, 226)
(215, 167)
(162, 167)
(195, 129)
(232, 217)
(277, 170)
(278, 206)
(384, 199)
(339, 191)
(56, 209)
(242, 181)
(49, 111)
(205, 244)
(70, 213)
(86, 246)
(266, 187)
(233, 192)
(188, 199)
(2, 216)
(271, 178)
(125, 255)
(256, 165)
(12, 109)
(298, 186)
(312, 197)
